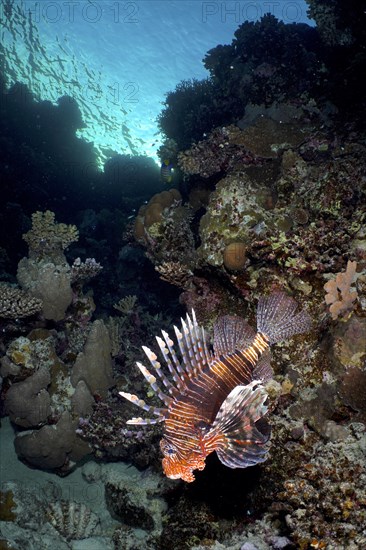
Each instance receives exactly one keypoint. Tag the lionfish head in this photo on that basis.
(178, 465)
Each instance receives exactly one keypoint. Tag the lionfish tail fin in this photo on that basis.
(240, 432)
(277, 318)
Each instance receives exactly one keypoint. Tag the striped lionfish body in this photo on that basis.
(216, 401)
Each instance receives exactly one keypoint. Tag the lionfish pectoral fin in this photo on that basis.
(231, 333)
(263, 370)
(239, 430)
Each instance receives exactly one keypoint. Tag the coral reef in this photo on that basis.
(175, 273)
(43, 518)
(325, 505)
(352, 390)
(163, 225)
(234, 208)
(270, 157)
(52, 447)
(126, 305)
(152, 213)
(49, 395)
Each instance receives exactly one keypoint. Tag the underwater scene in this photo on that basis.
(182, 275)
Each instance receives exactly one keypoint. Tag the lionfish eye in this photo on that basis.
(167, 448)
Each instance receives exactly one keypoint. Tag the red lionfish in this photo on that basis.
(216, 400)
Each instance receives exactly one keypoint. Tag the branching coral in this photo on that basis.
(126, 305)
(340, 296)
(16, 303)
(83, 271)
(47, 237)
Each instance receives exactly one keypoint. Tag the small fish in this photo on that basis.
(216, 400)
(166, 171)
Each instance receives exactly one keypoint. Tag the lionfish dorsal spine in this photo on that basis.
(157, 368)
(198, 336)
(170, 345)
(189, 349)
(139, 421)
(151, 380)
(192, 346)
(159, 412)
(187, 370)
(174, 374)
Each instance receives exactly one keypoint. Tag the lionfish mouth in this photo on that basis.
(174, 470)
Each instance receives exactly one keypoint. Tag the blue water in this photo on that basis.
(118, 59)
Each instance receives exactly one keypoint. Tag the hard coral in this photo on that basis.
(152, 213)
(339, 295)
(267, 61)
(234, 209)
(220, 151)
(83, 271)
(234, 256)
(28, 402)
(353, 391)
(49, 282)
(16, 303)
(326, 496)
(48, 238)
(175, 273)
(46, 275)
(106, 431)
(170, 238)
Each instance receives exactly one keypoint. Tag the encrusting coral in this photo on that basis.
(175, 273)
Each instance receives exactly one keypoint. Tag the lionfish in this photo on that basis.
(216, 400)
